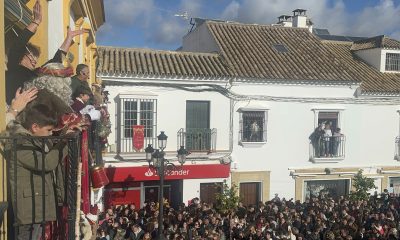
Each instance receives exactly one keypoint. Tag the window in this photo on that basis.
(281, 48)
(392, 62)
(135, 111)
(252, 126)
(330, 188)
(331, 118)
(327, 139)
(138, 112)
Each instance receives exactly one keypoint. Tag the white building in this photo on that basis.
(252, 95)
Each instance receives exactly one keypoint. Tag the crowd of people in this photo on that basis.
(43, 101)
(314, 219)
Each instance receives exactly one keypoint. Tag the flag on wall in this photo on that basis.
(138, 137)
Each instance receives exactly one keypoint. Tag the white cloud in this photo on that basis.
(373, 20)
(159, 25)
(127, 12)
(167, 31)
(193, 7)
(231, 11)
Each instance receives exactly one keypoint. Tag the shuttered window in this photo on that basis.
(197, 114)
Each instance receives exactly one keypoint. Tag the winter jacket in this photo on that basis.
(27, 194)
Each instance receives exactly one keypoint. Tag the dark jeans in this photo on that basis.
(30, 232)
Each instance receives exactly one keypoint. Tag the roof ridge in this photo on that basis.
(256, 24)
(159, 51)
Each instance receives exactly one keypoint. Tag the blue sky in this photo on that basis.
(152, 24)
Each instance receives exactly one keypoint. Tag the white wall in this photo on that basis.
(370, 132)
(374, 57)
(56, 28)
(370, 129)
(199, 40)
(300, 21)
(171, 112)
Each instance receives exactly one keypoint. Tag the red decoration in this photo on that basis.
(99, 177)
(70, 121)
(144, 173)
(138, 137)
(85, 173)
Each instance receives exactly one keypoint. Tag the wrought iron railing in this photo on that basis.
(328, 147)
(13, 170)
(125, 145)
(198, 139)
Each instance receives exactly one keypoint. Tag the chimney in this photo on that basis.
(285, 20)
(300, 18)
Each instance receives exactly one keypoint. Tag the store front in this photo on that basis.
(141, 184)
(326, 188)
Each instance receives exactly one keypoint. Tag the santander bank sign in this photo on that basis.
(144, 173)
(151, 172)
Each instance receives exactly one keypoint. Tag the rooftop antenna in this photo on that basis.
(183, 15)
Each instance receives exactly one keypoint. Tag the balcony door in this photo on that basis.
(198, 133)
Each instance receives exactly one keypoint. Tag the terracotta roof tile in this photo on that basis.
(154, 62)
(249, 50)
(376, 42)
(371, 79)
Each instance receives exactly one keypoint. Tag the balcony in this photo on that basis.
(198, 139)
(397, 149)
(328, 149)
(73, 154)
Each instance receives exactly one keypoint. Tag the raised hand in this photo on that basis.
(72, 34)
(70, 37)
(23, 98)
(37, 13)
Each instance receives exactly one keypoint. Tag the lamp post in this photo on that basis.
(156, 160)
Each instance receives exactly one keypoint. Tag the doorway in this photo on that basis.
(250, 193)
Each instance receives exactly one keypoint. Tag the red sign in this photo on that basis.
(144, 173)
(138, 137)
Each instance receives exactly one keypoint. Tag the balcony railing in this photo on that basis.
(397, 149)
(36, 178)
(198, 139)
(328, 147)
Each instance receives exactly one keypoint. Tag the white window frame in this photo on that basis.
(340, 110)
(265, 129)
(123, 142)
(387, 60)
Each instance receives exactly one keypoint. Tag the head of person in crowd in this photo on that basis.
(82, 72)
(40, 120)
(56, 79)
(30, 58)
(83, 94)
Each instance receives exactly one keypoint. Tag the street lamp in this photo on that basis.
(156, 160)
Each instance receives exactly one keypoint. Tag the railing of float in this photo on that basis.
(42, 174)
